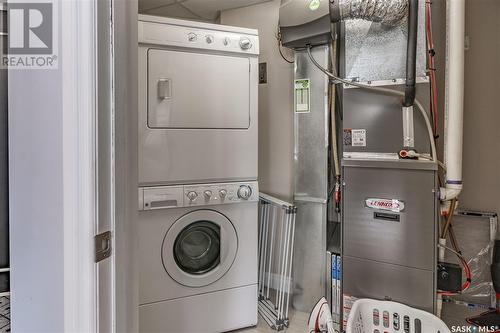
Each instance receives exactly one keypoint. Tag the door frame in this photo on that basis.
(78, 63)
(101, 146)
(117, 286)
(57, 147)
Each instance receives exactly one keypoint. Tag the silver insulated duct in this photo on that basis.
(388, 12)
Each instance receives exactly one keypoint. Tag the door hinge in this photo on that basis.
(102, 246)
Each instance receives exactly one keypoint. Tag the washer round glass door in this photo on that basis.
(199, 248)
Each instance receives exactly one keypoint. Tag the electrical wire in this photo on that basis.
(278, 37)
(448, 230)
(332, 93)
(432, 74)
(355, 84)
(451, 250)
(429, 158)
(432, 69)
(449, 218)
(385, 91)
(463, 261)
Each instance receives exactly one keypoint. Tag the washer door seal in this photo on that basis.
(199, 248)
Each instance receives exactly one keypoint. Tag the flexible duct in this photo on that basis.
(454, 107)
(388, 12)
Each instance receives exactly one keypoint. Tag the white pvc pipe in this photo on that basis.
(454, 108)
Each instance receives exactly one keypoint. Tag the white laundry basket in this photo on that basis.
(371, 316)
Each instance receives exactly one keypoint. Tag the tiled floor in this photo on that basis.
(4, 314)
(456, 314)
(298, 324)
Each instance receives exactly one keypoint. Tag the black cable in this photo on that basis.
(411, 54)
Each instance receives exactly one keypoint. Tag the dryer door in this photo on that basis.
(199, 248)
(192, 90)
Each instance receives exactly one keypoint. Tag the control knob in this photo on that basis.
(244, 192)
(208, 194)
(192, 37)
(192, 195)
(210, 39)
(222, 194)
(245, 43)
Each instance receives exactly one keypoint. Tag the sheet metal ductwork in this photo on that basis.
(387, 12)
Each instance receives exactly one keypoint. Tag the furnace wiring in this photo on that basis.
(382, 91)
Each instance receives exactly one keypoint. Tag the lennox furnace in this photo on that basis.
(365, 160)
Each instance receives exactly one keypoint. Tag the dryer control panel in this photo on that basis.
(170, 32)
(162, 197)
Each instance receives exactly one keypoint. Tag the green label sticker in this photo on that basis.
(314, 4)
(302, 95)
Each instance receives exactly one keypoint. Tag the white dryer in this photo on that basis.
(198, 93)
(198, 258)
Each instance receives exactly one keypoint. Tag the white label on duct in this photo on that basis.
(358, 137)
(392, 205)
(302, 96)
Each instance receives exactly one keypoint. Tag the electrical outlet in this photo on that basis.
(262, 73)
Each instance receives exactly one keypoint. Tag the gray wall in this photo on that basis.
(275, 99)
(481, 166)
(482, 110)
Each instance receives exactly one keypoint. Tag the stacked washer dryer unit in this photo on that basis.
(198, 191)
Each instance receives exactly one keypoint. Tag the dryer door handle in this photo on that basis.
(164, 88)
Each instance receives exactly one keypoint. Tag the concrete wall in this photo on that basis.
(275, 99)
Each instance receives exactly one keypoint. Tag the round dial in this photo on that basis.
(192, 37)
(208, 194)
(245, 43)
(192, 195)
(210, 39)
(222, 193)
(244, 192)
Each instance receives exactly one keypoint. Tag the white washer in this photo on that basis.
(198, 257)
(198, 110)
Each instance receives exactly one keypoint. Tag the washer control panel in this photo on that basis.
(162, 197)
(215, 194)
